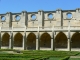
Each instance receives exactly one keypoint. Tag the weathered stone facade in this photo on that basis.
(42, 30)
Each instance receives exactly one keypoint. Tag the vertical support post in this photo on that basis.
(37, 41)
(69, 45)
(41, 18)
(24, 39)
(69, 38)
(59, 17)
(23, 42)
(12, 40)
(52, 40)
(0, 38)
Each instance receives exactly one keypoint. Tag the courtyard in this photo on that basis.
(9, 54)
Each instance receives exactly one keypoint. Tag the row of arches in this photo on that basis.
(45, 40)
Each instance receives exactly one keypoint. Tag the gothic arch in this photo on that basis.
(31, 41)
(61, 40)
(75, 40)
(18, 40)
(5, 39)
(45, 40)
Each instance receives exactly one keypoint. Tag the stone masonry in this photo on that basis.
(42, 30)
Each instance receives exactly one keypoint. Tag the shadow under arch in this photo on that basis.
(45, 40)
(18, 40)
(75, 40)
(61, 40)
(5, 39)
(31, 41)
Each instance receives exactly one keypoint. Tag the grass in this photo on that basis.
(55, 58)
(37, 55)
(74, 59)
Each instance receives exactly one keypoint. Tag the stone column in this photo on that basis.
(69, 45)
(69, 37)
(37, 44)
(52, 40)
(52, 46)
(10, 42)
(24, 41)
(37, 40)
(69, 41)
(12, 39)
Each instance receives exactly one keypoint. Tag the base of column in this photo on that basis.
(52, 44)
(37, 45)
(69, 45)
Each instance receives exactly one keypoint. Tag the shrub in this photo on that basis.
(65, 58)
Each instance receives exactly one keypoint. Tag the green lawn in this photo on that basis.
(74, 59)
(38, 55)
(54, 58)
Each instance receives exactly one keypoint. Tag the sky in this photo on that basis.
(35, 5)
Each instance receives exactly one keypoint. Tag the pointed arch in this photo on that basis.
(18, 39)
(31, 41)
(5, 39)
(75, 40)
(45, 40)
(61, 40)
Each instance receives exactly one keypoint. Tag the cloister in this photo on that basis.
(42, 30)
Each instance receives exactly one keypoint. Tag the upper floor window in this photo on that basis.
(50, 16)
(33, 16)
(17, 17)
(69, 15)
(3, 18)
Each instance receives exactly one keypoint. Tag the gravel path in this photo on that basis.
(74, 56)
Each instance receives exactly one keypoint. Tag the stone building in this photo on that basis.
(42, 30)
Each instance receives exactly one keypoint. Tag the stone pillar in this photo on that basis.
(77, 14)
(69, 45)
(24, 42)
(69, 37)
(69, 41)
(37, 41)
(52, 44)
(12, 39)
(41, 18)
(58, 17)
(37, 44)
(24, 20)
(52, 40)
(9, 18)
(10, 42)
(24, 39)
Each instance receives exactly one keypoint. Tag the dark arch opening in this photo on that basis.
(45, 40)
(31, 41)
(5, 39)
(75, 40)
(18, 39)
(61, 40)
